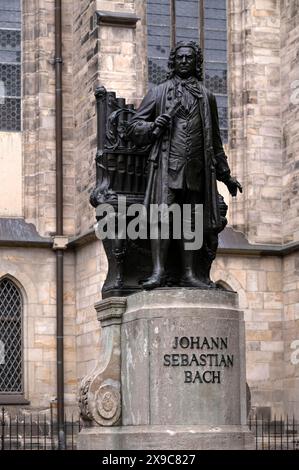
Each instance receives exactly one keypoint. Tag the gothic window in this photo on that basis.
(204, 21)
(11, 344)
(10, 65)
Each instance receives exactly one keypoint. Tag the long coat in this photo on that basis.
(160, 100)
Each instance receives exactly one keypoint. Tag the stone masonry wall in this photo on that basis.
(33, 270)
(291, 333)
(255, 125)
(39, 115)
(91, 266)
(258, 282)
(290, 196)
(290, 116)
(122, 51)
(85, 74)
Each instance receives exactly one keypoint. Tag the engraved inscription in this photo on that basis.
(203, 364)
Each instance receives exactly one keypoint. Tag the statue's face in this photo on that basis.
(185, 62)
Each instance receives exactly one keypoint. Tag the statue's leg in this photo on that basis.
(159, 250)
(189, 276)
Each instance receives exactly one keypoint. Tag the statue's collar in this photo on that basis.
(182, 81)
(191, 84)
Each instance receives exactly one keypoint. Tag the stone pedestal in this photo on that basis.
(181, 373)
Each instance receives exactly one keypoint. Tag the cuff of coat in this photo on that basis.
(142, 133)
(224, 177)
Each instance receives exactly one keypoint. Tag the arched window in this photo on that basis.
(11, 342)
(10, 65)
(204, 21)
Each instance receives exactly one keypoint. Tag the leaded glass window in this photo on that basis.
(158, 39)
(187, 20)
(11, 344)
(204, 21)
(215, 47)
(10, 65)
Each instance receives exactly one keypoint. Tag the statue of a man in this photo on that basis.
(187, 151)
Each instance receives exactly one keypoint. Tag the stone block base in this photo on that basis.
(172, 373)
(166, 438)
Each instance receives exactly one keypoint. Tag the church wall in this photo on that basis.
(91, 267)
(290, 118)
(85, 75)
(255, 145)
(258, 282)
(260, 154)
(33, 271)
(291, 332)
(290, 194)
(39, 115)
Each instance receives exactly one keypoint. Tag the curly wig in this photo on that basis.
(199, 58)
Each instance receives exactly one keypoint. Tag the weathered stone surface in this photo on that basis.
(161, 409)
(167, 437)
(155, 393)
(100, 391)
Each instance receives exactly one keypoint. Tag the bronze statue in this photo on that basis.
(179, 119)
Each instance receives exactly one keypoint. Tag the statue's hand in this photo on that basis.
(163, 121)
(233, 186)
